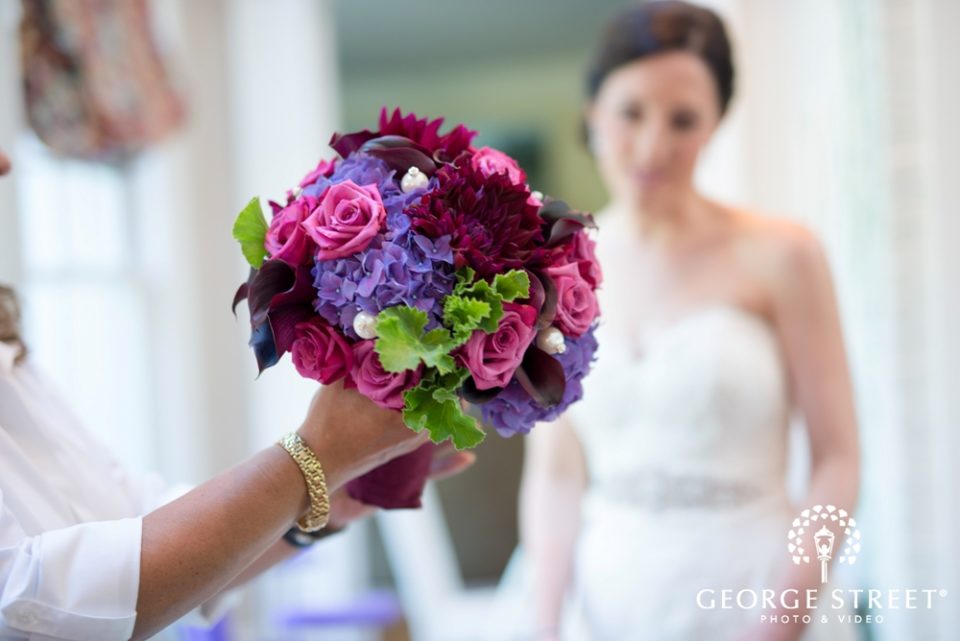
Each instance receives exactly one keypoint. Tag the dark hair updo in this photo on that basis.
(659, 27)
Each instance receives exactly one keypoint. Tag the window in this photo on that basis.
(85, 299)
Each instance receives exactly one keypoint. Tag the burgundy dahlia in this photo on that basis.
(491, 223)
(425, 133)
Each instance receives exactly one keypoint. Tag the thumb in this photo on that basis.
(451, 465)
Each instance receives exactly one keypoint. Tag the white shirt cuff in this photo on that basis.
(78, 583)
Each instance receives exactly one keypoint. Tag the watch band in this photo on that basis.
(318, 514)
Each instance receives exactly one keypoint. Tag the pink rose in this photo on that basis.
(493, 358)
(348, 217)
(384, 388)
(286, 239)
(576, 303)
(321, 352)
(584, 253)
(323, 170)
(489, 161)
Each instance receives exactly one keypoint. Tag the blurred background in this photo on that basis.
(118, 238)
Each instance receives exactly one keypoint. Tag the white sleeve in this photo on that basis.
(77, 583)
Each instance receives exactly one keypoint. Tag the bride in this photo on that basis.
(668, 478)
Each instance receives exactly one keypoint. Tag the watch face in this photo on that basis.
(299, 538)
(296, 536)
(303, 537)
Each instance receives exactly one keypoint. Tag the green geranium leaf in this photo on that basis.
(457, 426)
(463, 314)
(436, 345)
(512, 285)
(478, 304)
(416, 405)
(402, 345)
(434, 405)
(398, 337)
(483, 291)
(250, 230)
(465, 278)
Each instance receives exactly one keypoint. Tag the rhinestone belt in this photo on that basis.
(656, 490)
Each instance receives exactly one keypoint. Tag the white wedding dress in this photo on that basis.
(686, 449)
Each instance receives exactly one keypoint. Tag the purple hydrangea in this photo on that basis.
(514, 411)
(363, 169)
(407, 270)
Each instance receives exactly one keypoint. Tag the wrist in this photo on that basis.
(335, 465)
(283, 474)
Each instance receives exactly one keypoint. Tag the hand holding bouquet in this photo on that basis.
(421, 271)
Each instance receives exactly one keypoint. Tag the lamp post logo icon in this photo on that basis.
(825, 538)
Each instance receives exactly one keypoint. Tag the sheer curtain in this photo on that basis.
(11, 119)
(848, 122)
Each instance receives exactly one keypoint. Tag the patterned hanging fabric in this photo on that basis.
(95, 83)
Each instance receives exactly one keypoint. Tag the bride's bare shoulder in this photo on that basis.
(769, 228)
(779, 249)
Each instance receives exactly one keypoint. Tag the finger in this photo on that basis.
(349, 513)
(410, 443)
(444, 450)
(451, 465)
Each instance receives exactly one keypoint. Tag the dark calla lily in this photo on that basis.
(554, 210)
(541, 375)
(550, 297)
(476, 396)
(563, 222)
(276, 284)
(279, 297)
(301, 292)
(561, 231)
(264, 347)
(346, 144)
(543, 298)
(400, 154)
(537, 295)
(283, 322)
(241, 295)
(272, 278)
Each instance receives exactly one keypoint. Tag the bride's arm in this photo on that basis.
(809, 328)
(554, 477)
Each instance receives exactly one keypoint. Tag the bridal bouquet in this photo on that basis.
(421, 270)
